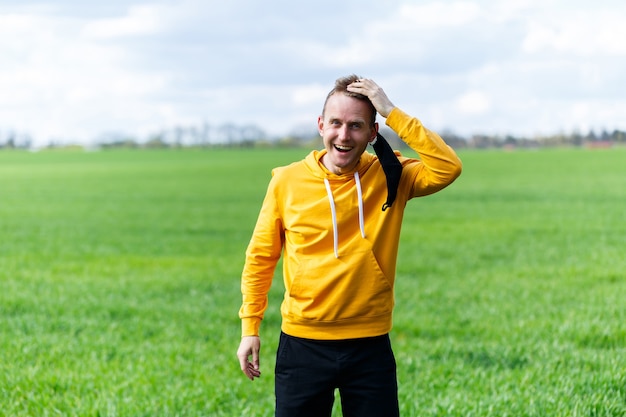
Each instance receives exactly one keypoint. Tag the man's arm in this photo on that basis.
(439, 165)
(262, 255)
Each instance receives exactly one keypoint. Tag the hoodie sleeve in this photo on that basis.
(262, 255)
(438, 165)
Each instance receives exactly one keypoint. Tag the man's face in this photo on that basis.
(346, 131)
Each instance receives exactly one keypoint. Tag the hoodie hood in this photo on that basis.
(314, 164)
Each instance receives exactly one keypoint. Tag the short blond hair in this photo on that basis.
(341, 86)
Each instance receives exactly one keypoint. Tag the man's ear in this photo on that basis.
(320, 125)
(374, 132)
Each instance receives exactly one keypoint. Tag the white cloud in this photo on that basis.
(515, 66)
(308, 95)
(473, 102)
(140, 20)
(60, 83)
(436, 15)
(587, 34)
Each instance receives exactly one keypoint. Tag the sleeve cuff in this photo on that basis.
(250, 327)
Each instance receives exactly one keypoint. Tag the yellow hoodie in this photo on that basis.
(340, 248)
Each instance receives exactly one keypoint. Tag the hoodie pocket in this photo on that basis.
(328, 289)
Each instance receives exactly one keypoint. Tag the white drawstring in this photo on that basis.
(333, 211)
(334, 214)
(357, 180)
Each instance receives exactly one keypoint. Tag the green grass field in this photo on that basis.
(119, 278)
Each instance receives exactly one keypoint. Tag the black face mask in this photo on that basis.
(391, 166)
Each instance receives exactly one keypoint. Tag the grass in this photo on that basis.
(519, 308)
(120, 273)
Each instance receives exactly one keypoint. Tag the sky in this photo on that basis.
(77, 71)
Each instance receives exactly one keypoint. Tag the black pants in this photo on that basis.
(309, 371)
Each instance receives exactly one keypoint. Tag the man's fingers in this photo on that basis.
(250, 371)
(255, 358)
(253, 371)
(253, 367)
(243, 362)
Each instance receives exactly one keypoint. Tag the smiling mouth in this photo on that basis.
(343, 149)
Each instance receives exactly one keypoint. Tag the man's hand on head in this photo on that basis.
(375, 93)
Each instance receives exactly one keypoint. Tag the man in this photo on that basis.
(335, 217)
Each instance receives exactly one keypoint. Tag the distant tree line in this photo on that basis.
(251, 136)
(575, 139)
(14, 140)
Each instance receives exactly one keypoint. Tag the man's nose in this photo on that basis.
(344, 132)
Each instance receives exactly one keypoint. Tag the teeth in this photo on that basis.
(343, 148)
